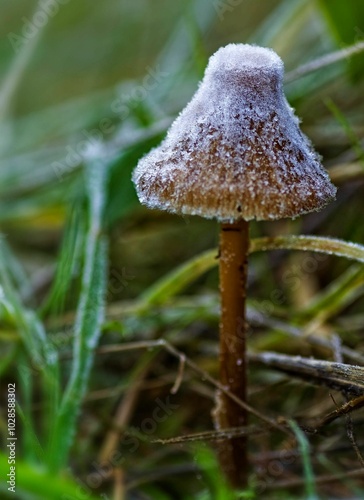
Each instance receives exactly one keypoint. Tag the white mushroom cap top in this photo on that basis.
(236, 150)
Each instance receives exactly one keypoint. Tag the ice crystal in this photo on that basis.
(236, 150)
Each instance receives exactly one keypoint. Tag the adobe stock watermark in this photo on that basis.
(125, 102)
(118, 281)
(11, 439)
(273, 469)
(46, 10)
(292, 279)
(121, 107)
(223, 6)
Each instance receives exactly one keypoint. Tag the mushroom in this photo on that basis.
(235, 153)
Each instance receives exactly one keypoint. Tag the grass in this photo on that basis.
(109, 312)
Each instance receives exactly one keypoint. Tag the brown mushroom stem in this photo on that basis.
(234, 246)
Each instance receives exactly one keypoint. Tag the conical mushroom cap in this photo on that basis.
(236, 150)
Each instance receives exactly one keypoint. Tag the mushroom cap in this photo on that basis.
(236, 150)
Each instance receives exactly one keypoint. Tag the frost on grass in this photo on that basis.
(236, 150)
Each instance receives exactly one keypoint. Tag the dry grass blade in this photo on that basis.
(352, 439)
(121, 419)
(179, 378)
(338, 376)
(233, 432)
(329, 478)
(351, 405)
(259, 319)
(346, 172)
(204, 375)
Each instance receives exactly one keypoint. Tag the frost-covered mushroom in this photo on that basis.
(235, 153)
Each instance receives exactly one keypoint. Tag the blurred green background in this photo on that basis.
(86, 89)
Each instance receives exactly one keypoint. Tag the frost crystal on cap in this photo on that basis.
(236, 150)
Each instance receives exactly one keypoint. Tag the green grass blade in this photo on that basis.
(179, 278)
(89, 318)
(7, 359)
(40, 352)
(17, 273)
(16, 71)
(338, 294)
(345, 23)
(35, 481)
(189, 271)
(68, 260)
(30, 329)
(32, 447)
(307, 468)
(217, 487)
(329, 246)
(275, 24)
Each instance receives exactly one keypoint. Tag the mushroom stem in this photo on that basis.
(234, 246)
